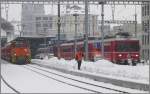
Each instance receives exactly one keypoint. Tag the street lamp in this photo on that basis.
(102, 27)
(21, 32)
(75, 38)
(44, 39)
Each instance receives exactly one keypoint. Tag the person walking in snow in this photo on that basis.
(79, 56)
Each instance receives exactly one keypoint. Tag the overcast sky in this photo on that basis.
(124, 12)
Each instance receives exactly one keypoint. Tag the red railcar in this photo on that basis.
(67, 50)
(122, 50)
(17, 52)
(117, 50)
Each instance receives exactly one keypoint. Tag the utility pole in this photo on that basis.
(102, 28)
(19, 30)
(86, 29)
(0, 33)
(135, 23)
(75, 40)
(149, 45)
(6, 10)
(58, 42)
(44, 39)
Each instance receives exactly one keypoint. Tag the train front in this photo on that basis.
(127, 52)
(21, 53)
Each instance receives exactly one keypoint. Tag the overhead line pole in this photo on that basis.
(102, 28)
(135, 23)
(86, 29)
(0, 27)
(58, 41)
(0, 40)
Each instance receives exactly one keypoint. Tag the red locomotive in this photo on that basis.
(122, 50)
(117, 50)
(17, 52)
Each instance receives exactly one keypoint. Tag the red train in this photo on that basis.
(122, 50)
(117, 50)
(17, 52)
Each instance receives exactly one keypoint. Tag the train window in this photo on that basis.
(122, 46)
(67, 49)
(97, 45)
(20, 44)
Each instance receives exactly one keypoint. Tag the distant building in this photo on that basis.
(145, 49)
(7, 30)
(29, 11)
(36, 24)
(68, 26)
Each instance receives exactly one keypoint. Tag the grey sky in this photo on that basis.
(121, 11)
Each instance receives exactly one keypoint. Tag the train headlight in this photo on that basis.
(25, 50)
(136, 55)
(120, 55)
(28, 54)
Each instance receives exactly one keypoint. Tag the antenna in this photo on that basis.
(6, 10)
(113, 11)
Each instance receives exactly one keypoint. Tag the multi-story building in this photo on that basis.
(29, 11)
(145, 49)
(47, 24)
(36, 24)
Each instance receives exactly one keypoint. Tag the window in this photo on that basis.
(127, 46)
(38, 18)
(142, 39)
(67, 49)
(50, 18)
(148, 10)
(38, 25)
(142, 11)
(50, 25)
(45, 18)
(45, 25)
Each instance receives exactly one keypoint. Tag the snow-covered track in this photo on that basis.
(80, 81)
(16, 91)
(122, 83)
(27, 67)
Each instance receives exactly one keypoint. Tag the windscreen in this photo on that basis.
(21, 44)
(127, 46)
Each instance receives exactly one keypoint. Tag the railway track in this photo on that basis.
(16, 91)
(98, 88)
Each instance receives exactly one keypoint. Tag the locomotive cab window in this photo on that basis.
(125, 46)
(21, 44)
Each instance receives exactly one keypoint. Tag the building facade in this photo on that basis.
(29, 11)
(47, 24)
(145, 49)
(36, 24)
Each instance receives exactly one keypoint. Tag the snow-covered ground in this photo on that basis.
(139, 73)
(27, 81)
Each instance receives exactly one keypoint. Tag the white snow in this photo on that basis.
(139, 73)
(26, 81)
(5, 88)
